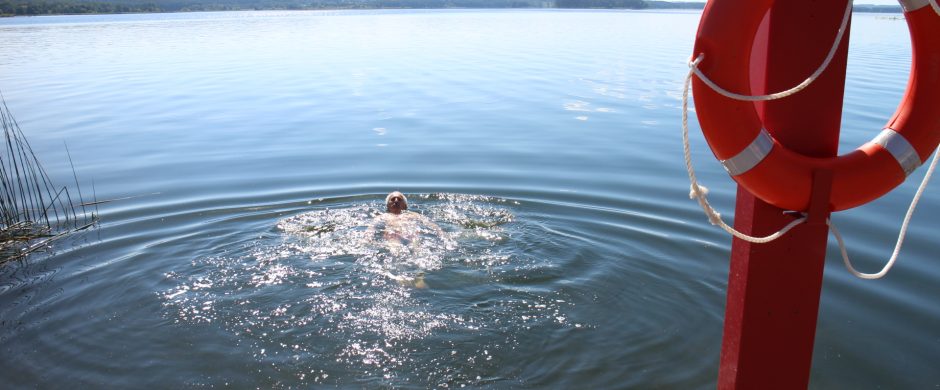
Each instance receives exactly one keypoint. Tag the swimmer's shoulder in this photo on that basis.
(412, 215)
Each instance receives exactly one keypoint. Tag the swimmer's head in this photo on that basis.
(396, 202)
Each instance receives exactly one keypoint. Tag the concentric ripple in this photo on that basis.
(329, 301)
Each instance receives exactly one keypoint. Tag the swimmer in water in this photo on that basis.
(402, 228)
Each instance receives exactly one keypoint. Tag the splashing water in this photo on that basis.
(329, 301)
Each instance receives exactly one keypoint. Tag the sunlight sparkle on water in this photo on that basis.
(325, 287)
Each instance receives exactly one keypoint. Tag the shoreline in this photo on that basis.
(16, 8)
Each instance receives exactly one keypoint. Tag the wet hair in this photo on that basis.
(404, 200)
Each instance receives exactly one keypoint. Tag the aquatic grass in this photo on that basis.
(33, 211)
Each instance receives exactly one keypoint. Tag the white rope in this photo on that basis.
(903, 232)
(699, 192)
(904, 224)
(782, 94)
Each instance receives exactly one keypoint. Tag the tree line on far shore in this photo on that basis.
(60, 7)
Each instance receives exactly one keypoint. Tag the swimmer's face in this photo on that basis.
(396, 202)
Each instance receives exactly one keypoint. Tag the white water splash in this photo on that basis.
(330, 297)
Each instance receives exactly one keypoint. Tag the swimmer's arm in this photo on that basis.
(370, 230)
(428, 222)
(437, 229)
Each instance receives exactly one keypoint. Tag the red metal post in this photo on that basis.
(774, 288)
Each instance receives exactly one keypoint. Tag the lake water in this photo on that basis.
(259, 145)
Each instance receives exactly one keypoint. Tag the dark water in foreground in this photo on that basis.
(544, 143)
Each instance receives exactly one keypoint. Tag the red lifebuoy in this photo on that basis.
(780, 176)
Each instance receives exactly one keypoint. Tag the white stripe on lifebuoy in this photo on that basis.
(900, 148)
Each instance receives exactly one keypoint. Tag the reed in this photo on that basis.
(33, 211)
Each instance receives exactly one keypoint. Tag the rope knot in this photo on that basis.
(714, 218)
(697, 191)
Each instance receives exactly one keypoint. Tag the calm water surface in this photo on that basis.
(259, 146)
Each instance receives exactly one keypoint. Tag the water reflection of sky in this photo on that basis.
(234, 120)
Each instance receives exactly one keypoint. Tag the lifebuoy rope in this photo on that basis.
(782, 94)
(700, 192)
(901, 234)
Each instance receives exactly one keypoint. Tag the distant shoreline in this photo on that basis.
(11, 8)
